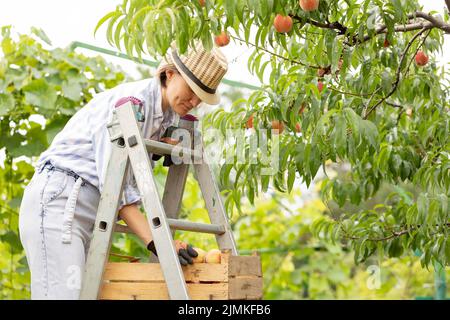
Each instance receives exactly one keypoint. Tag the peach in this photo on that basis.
(278, 126)
(309, 5)
(298, 127)
(249, 123)
(222, 39)
(213, 256)
(421, 58)
(320, 86)
(201, 256)
(386, 43)
(202, 2)
(282, 24)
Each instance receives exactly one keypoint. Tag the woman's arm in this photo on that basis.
(136, 221)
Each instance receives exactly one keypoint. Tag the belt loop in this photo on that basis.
(69, 212)
(42, 166)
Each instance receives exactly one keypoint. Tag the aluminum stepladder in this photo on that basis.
(129, 148)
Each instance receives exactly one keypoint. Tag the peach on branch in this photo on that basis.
(222, 39)
(282, 24)
(421, 58)
(309, 5)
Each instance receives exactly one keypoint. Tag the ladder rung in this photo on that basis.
(196, 226)
(178, 224)
(162, 148)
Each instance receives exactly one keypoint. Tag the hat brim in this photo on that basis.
(209, 98)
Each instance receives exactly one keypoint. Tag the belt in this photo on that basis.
(69, 209)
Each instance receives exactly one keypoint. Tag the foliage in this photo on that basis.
(379, 112)
(295, 263)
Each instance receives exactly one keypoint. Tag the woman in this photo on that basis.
(60, 203)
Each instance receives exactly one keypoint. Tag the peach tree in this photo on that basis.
(351, 82)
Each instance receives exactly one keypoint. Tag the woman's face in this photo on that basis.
(179, 95)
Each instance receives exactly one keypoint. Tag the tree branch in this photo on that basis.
(275, 54)
(400, 28)
(349, 93)
(447, 2)
(398, 74)
(330, 25)
(434, 20)
(395, 234)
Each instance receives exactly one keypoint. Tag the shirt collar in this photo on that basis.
(156, 90)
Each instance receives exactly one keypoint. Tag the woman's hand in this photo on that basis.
(185, 252)
(170, 141)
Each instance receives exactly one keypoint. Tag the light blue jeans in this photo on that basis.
(56, 221)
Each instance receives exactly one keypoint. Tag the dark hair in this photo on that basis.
(163, 76)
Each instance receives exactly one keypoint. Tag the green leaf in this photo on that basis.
(71, 90)
(340, 135)
(291, 177)
(104, 19)
(6, 103)
(40, 94)
(41, 34)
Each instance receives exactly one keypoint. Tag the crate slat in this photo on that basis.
(244, 266)
(198, 272)
(158, 291)
(245, 288)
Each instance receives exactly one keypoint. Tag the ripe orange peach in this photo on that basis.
(421, 58)
(278, 126)
(201, 255)
(249, 123)
(202, 2)
(282, 24)
(309, 5)
(222, 39)
(298, 127)
(213, 256)
(320, 86)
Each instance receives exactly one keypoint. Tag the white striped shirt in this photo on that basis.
(84, 146)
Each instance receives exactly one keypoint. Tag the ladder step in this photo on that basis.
(162, 148)
(178, 224)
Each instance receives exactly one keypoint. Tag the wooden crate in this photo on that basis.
(235, 278)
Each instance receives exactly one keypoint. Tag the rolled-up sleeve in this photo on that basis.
(102, 150)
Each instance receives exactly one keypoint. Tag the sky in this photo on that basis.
(67, 21)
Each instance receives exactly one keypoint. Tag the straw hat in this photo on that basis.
(203, 70)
